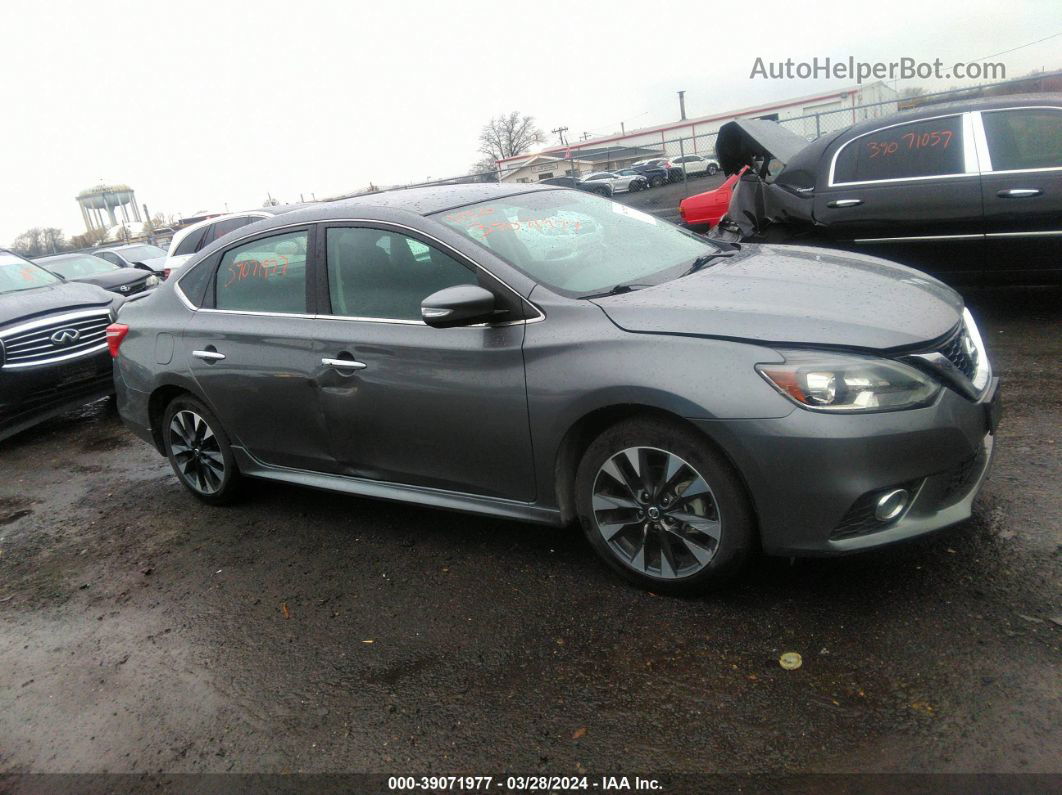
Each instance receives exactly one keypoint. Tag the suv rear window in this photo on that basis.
(929, 148)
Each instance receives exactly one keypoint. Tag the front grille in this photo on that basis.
(32, 344)
(860, 519)
(132, 289)
(961, 352)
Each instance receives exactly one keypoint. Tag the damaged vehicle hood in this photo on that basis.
(740, 141)
(795, 296)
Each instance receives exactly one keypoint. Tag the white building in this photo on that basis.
(809, 116)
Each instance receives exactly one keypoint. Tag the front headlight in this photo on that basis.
(823, 381)
(152, 281)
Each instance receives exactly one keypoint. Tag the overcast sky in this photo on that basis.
(213, 105)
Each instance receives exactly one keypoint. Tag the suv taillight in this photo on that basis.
(115, 334)
(166, 273)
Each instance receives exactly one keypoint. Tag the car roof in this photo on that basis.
(265, 212)
(431, 199)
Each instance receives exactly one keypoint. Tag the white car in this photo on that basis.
(619, 182)
(196, 237)
(695, 165)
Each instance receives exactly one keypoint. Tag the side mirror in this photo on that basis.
(457, 306)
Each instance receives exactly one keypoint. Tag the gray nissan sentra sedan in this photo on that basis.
(551, 356)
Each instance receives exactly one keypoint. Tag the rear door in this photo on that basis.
(909, 192)
(407, 403)
(1022, 188)
(251, 348)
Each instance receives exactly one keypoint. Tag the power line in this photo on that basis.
(1020, 47)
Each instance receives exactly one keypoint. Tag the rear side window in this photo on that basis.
(190, 244)
(930, 148)
(265, 275)
(222, 228)
(1023, 139)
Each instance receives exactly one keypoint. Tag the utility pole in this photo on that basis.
(682, 104)
(586, 136)
(560, 134)
(623, 129)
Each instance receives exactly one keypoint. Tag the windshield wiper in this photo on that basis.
(707, 259)
(619, 289)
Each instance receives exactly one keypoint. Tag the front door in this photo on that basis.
(253, 352)
(1023, 190)
(407, 403)
(909, 193)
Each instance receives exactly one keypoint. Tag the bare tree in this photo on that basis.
(505, 136)
(88, 239)
(911, 92)
(484, 170)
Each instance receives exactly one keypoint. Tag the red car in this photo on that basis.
(703, 211)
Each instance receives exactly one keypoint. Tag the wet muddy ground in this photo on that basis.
(141, 631)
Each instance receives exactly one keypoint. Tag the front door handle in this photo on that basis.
(844, 203)
(1019, 193)
(208, 356)
(344, 364)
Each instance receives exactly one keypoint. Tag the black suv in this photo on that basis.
(600, 188)
(53, 346)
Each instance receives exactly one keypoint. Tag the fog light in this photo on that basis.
(891, 504)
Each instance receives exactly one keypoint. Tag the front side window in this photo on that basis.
(373, 273)
(930, 148)
(20, 274)
(1024, 139)
(109, 257)
(577, 243)
(265, 275)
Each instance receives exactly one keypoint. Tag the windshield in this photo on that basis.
(141, 253)
(78, 266)
(19, 274)
(576, 243)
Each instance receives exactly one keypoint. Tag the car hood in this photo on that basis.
(739, 141)
(795, 295)
(155, 263)
(113, 279)
(65, 296)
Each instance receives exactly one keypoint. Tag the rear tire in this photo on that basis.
(199, 450)
(663, 508)
(712, 171)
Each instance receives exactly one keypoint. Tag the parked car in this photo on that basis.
(621, 183)
(80, 267)
(432, 345)
(53, 351)
(600, 188)
(656, 175)
(702, 211)
(965, 189)
(695, 165)
(674, 173)
(134, 255)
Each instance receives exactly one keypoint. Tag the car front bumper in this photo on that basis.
(31, 395)
(814, 477)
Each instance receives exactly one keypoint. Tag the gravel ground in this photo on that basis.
(141, 631)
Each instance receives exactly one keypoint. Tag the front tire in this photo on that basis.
(662, 507)
(712, 171)
(199, 450)
(657, 181)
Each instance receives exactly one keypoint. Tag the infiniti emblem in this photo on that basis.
(65, 336)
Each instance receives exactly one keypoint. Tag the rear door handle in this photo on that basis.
(208, 356)
(1019, 193)
(844, 203)
(344, 364)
